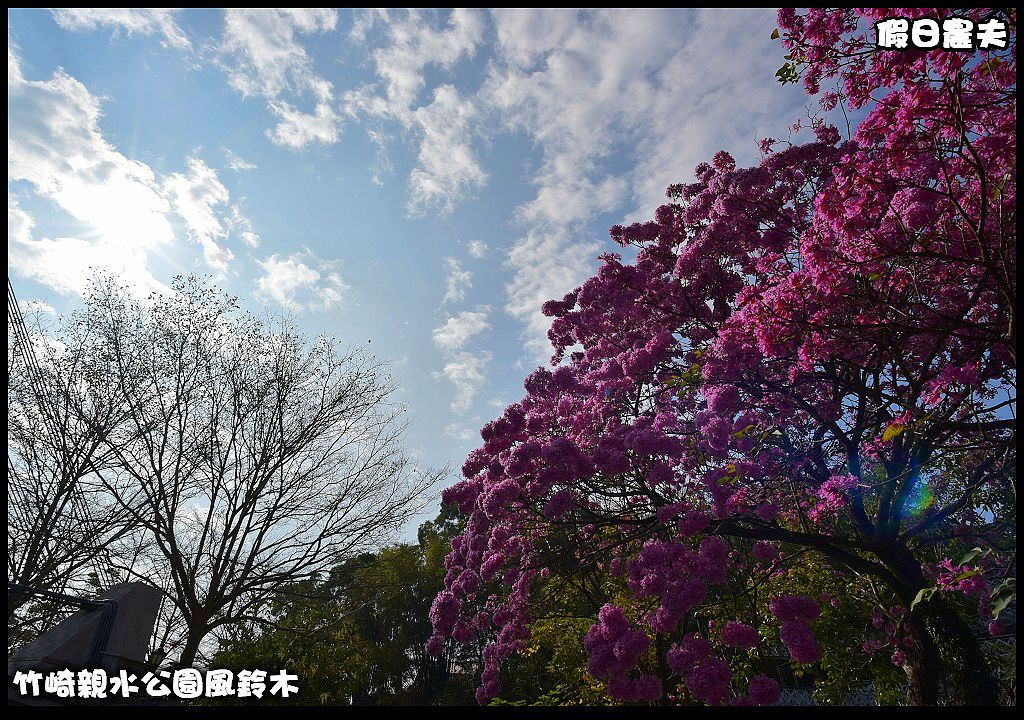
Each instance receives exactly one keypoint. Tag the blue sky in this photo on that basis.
(425, 179)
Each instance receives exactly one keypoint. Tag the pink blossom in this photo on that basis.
(739, 635)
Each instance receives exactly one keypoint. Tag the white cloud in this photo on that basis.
(301, 280)
(268, 60)
(459, 431)
(456, 282)
(617, 103)
(458, 329)
(381, 163)
(546, 264)
(54, 143)
(241, 226)
(144, 21)
(331, 293)
(465, 370)
(19, 222)
(413, 45)
(723, 105)
(447, 168)
(365, 20)
(526, 37)
(263, 57)
(38, 307)
(238, 164)
(563, 198)
(298, 129)
(620, 103)
(195, 197)
(67, 264)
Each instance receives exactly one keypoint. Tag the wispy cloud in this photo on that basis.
(263, 56)
(238, 164)
(619, 104)
(196, 196)
(125, 208)
(456, 282)
(459, 431)
(640, 86)
(300, 281)
(477, 249)
(54, 143)
(413, 43)
(458, 329)
(546, 263)
(447, 167)
(38, 307)
(130, 21)
(465, 370)
(242, 227)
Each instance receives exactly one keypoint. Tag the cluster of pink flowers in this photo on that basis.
(739, 635)
(735, 386)
(614, 649)
(966, 376)
(832, 496)
(675, 575)
(797, 612)
(952, 577)
(763, 690)
(893, 633)
(706, 676)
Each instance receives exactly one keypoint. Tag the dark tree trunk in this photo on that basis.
(975, 680)
(924, 664)
(191, 648)
(929, 621)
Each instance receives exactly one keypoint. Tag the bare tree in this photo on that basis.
(260, 458)
(61, 522)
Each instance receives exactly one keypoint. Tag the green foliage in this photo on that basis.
(844, 666)
(327, 654)
(357, 635)
(1003, 595)
(552, 670)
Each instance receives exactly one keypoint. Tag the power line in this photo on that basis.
(79, 509)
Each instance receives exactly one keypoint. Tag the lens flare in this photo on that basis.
(920, 497)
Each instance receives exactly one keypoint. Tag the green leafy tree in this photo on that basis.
(356, 636)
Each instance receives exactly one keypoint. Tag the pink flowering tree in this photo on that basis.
(812, 355)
